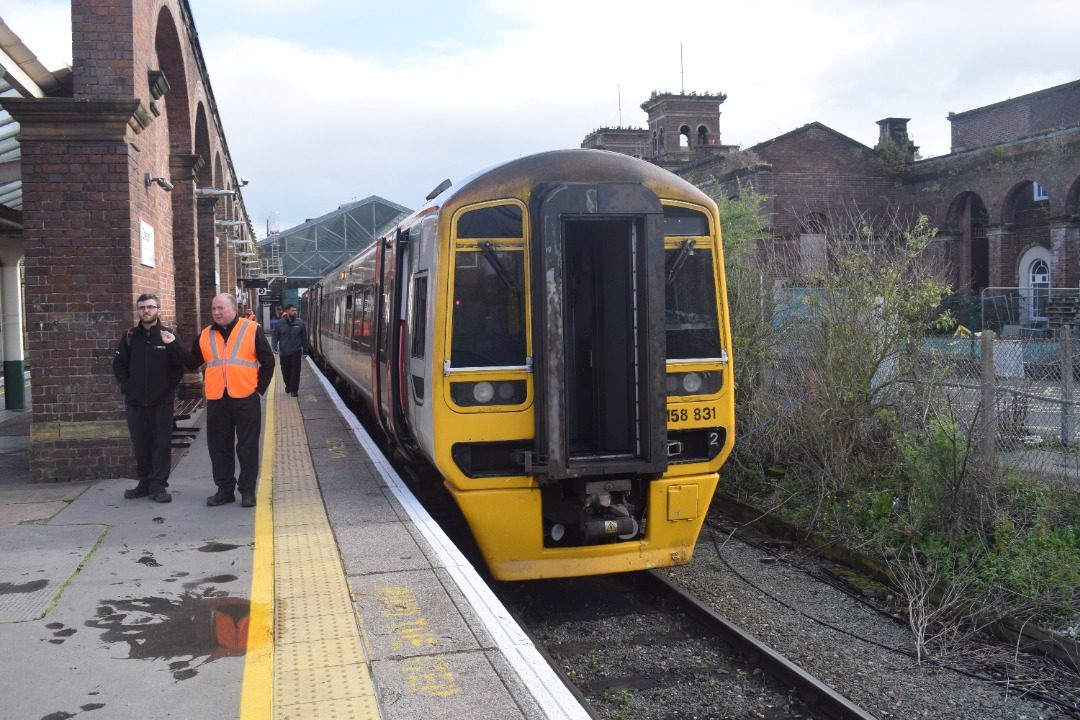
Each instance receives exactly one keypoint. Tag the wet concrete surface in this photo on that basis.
(147, 619)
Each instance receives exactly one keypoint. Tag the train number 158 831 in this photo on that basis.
(677, 415)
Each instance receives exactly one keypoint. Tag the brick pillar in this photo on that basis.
(1002, 255)
(80, 175)
(1065, 248)
(186, 255)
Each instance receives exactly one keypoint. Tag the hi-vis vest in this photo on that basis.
(232, 365)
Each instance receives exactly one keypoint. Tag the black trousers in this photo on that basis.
(290, 371)
(233, 426)
(150, 427)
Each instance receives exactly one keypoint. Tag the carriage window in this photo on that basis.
(693, 329)
(489, 308)
(499, 221)
(684, 221)
(364, 317)
(348, 311)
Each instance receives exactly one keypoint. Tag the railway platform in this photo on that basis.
(335, 597)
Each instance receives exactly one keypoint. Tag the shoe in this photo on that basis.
(220, 498)
(295, 394)
(247, 500)
(136, 492)
(161, 496)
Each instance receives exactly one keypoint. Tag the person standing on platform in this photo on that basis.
(290, 342)
(239, 367)
(149, 371)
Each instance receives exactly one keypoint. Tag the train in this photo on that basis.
(551, 336)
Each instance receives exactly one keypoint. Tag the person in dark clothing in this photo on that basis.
(239, 367)
(289, 340)
(149, 371)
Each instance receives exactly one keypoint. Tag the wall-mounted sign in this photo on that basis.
(146, 243)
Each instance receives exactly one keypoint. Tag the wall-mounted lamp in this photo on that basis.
(151, 180)
(214, 192)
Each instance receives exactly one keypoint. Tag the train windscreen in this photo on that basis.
(693, 329)
(489, 308)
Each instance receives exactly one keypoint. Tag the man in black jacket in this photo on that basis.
(149, 371)
(290, 342)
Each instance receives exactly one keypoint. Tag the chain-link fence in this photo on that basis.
(1026, 389)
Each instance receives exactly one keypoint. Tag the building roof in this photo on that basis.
(24, 77)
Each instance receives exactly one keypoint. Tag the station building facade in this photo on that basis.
(126, 187)
(1005, 200)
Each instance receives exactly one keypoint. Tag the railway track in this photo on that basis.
(635, 645)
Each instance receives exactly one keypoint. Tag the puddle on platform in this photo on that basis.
(217, 547)
(190, 630)
(7, 588)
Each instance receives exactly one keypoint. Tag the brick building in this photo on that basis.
(1005, 200)
(127, 188)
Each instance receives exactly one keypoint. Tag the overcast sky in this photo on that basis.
(328, 101)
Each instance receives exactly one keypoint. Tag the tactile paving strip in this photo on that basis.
(320, 666)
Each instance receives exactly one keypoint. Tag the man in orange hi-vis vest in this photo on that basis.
(239, 368)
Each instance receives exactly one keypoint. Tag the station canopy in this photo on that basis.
(319, 245)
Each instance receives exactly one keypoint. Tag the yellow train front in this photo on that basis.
(552, 335)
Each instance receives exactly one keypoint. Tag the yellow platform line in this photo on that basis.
(256, 696)
(320, 667)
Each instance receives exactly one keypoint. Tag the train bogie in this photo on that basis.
(551, 336)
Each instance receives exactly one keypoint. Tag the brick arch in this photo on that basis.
(1072, 199)
(202, 146)
(171, 60)
(966, 221)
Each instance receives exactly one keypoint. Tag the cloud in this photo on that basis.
(332, 100)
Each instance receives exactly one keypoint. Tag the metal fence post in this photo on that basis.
(1066, 386)
(987, 407)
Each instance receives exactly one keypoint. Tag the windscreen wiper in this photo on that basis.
(488, 251)
(685, 251)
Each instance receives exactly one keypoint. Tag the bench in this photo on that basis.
(182, 410)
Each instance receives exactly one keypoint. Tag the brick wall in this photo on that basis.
(1016, 118)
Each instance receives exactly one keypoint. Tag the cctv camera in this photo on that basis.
(166, 184)
(243, 181)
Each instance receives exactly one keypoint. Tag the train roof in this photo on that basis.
(577, 165)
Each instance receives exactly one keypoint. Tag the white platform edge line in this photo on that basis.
(547, 689)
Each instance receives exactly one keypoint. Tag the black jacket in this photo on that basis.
(148, 370)
(290, 338)
(194, 359)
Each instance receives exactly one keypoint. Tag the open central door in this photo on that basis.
(598, 259)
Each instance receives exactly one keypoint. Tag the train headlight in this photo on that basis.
(482, 392)
(693, 383)
(496, 392)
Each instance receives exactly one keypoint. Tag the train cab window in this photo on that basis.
(693, 329)
(489, 307)
(683, 221)
(497, 221)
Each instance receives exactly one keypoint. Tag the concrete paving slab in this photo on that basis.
(409, 613)
(36, 562)
(451, 685)
(16, 514)
(376, 547)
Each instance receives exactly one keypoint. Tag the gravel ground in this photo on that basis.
(787, 609)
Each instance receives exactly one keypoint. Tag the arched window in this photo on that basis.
(684, 136)
(1035, 283)
(702, 135)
